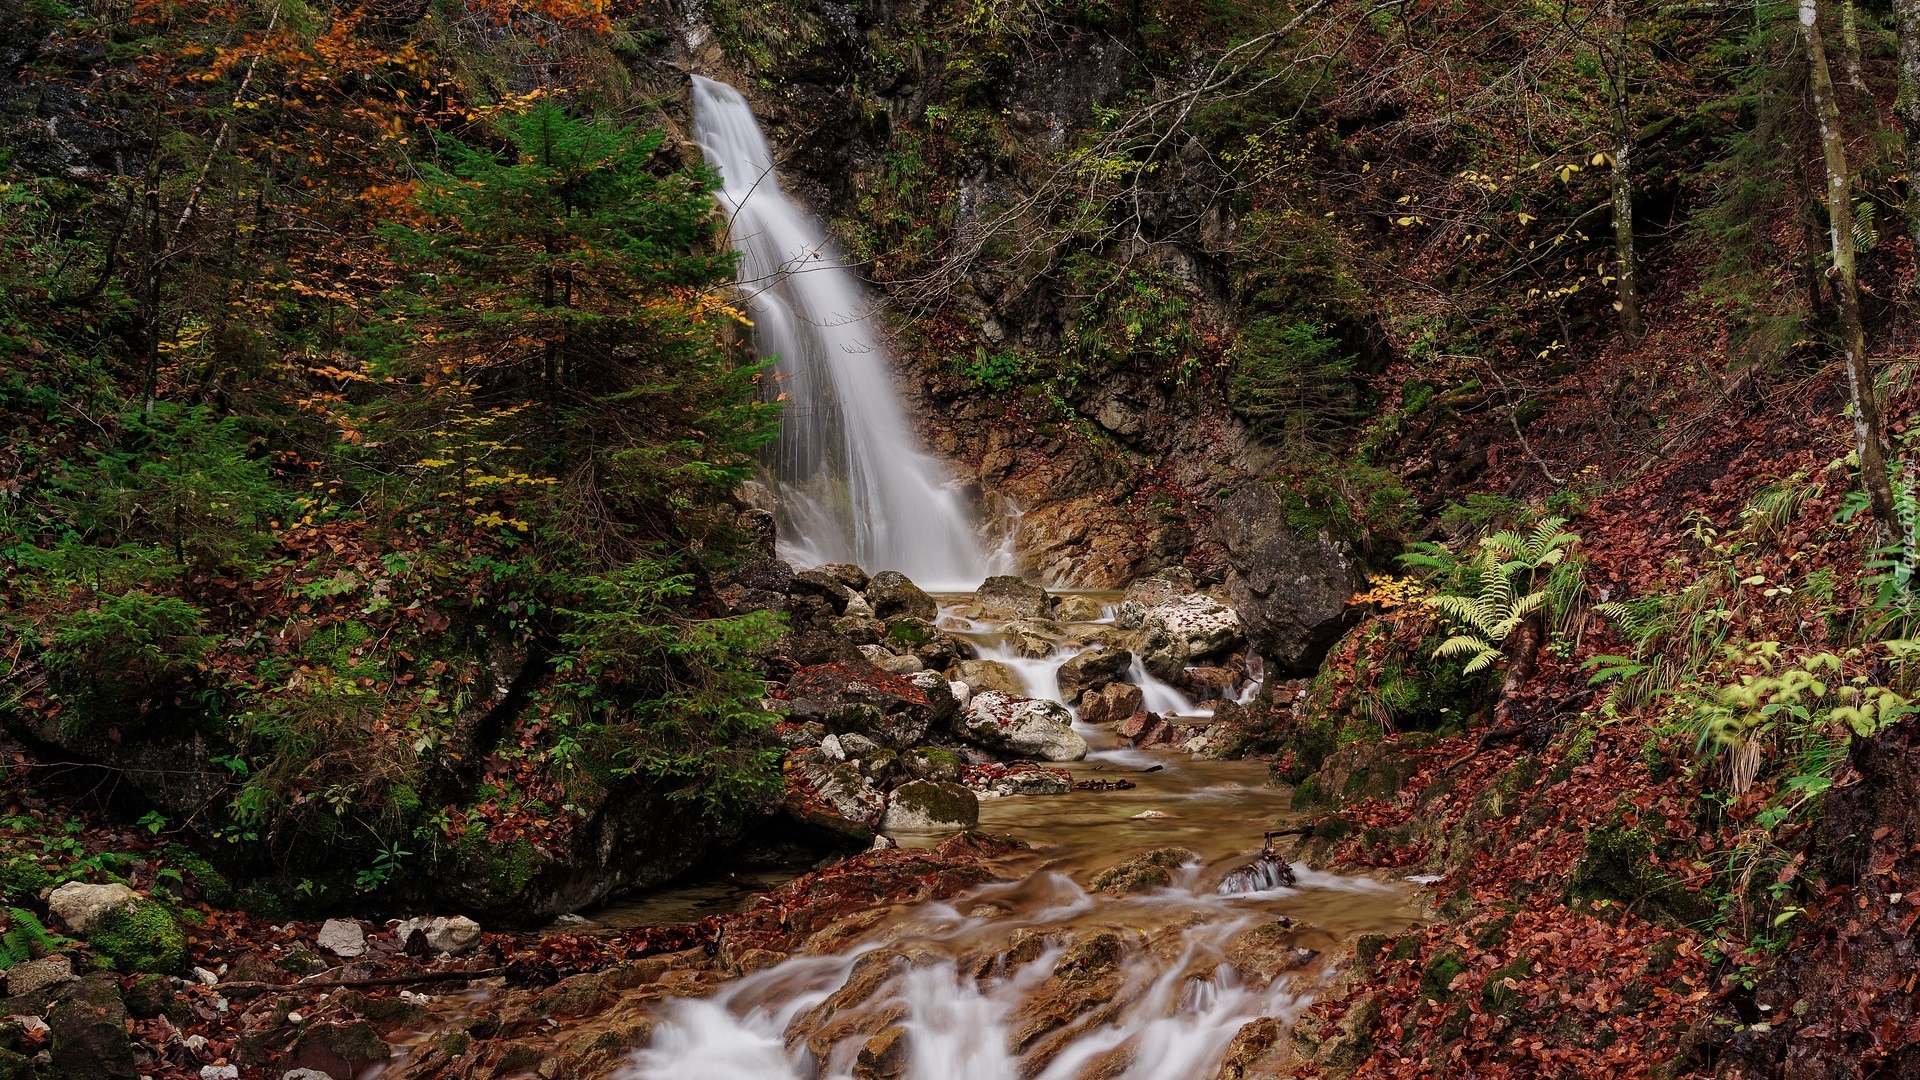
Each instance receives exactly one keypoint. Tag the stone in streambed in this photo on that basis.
(883, 1057)
(1185, 629)
(930, 804)
(1149, 870)
(846, 574)
(1007, 597)
(1031, 639)
(1111, 704)
(892, 595)
(816, 583)
(931, 763)
(443, 935)
(1093, 670)
(1021, 727)
(984, 675)
(859, 629)
(1136, 724)
(1269, 950)
(1076, 609)
(832, 797)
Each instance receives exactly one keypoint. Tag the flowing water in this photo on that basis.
(988, 986)
(967, 1005)
(854, 484)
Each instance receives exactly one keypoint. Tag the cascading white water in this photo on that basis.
(854, 484)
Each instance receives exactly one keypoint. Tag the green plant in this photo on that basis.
(1512, 578)
(141, 936)
(26, 939)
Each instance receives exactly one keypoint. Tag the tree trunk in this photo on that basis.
(1906, 15)
(1846, 287)
(1628, 303)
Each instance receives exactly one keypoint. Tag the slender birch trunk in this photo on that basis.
(1628, 301)
(1866, 406)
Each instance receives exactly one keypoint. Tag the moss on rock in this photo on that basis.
(142, 936)
(1151, 870)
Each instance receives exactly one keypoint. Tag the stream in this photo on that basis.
(971, 981)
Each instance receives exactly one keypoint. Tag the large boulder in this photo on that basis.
(1093, 670)
(891, 596)
(833, 798)
(1021, 727)
(1008, 597)
(1291, 590)
(1183, 630)
(922, 805)
(889, 709)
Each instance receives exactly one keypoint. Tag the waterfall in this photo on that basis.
(854, 484)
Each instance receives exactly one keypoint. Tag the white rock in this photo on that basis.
(962, 693)
(831, 747)
(80, 906)
(207, 978)
(1196, 745)
(447, 936)
(1206, 625)
(343, 938)
(1022, 726)
(858, 605)
(33, 975)
(1148, 815)
(219, 1072)
(305, 1074)
(195, 1043)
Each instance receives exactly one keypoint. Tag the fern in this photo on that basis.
(26, 939)
(1513, 577)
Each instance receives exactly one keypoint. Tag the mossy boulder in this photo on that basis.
(141, 936)
(1363, 771)
(1436, 979)
(1618, 867)
(22, 880)
(1149, 870)
(87, 1031)
(891, 595)
(931, 804)
(932, 763)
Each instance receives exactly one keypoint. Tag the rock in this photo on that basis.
(343, 938)
(983, 675)
(859, 629)
(923, 805)
(35, 975)
(79, 905)
(1206, 626)
(339, 1049)
(854, 578)
(889, 709)
(931, 763)
(1150, 870)
(87, 1031)
(1093, 669)
(1136, 724)
(304, 1074)
(809, 648)
(1076, 609)
(1273, 949)
(1130, 615)
(1114, 703)
(857, 606)
(153, 995)
(834, 799)
(1022, 727)
(882, 1057)
(1160, 586)
(139, 937)
(908, 636)
(1210, 683)
(892, 596)
(825, 586)
(445, 936)
(1086, 976)
(962, 693)
(219, 1072)
(1031, 639)
(1252, 1048)
(1027, 780)
(1291, 591)
(943, 698)
(855, 745)
(879, 657)
(1008, 597)
(1360, 771)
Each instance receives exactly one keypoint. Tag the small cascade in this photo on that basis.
(854, 484)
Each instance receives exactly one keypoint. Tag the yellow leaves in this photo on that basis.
(1526, 218)
(1565, 172)
(1390, 592)
(491, 520)
(1599, 158)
